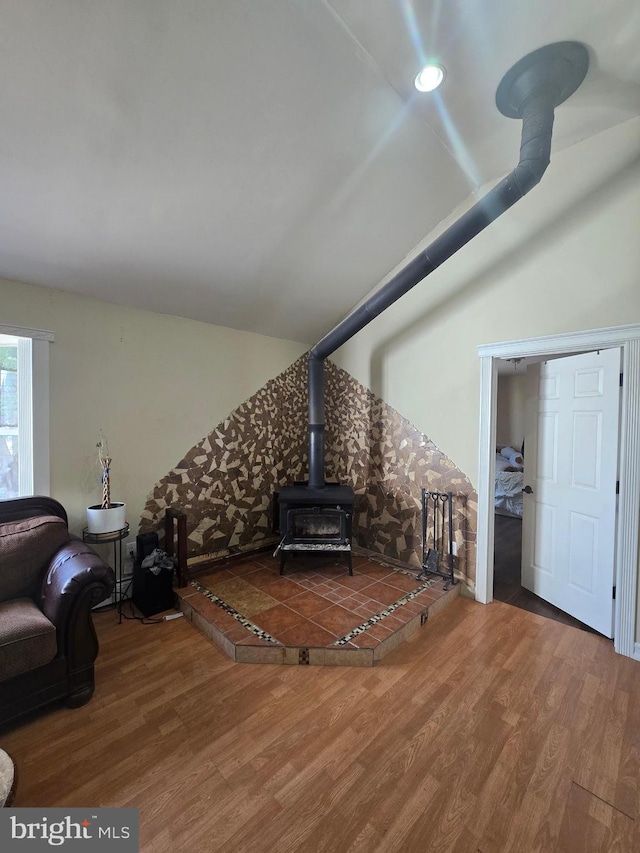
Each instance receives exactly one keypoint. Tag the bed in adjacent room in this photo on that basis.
(509, 482)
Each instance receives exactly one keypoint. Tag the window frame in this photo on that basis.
(33, 405)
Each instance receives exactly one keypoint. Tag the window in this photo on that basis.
(9, 434)
(24, 412)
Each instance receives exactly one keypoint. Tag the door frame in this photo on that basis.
(628, 528)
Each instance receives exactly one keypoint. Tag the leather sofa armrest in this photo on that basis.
(75, 572)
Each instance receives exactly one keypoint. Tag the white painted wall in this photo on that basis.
(512, 398)
(154, 384)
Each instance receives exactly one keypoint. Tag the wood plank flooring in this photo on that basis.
(492, 729)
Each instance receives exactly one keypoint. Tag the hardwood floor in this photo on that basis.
(507, 575)
(492, 729)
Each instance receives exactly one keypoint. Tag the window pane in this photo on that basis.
(9, 426)
(24, 411)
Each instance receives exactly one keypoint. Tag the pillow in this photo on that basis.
(26, 549)
(501, 463)
(513, 456)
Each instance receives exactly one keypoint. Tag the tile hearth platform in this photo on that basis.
(315, 614)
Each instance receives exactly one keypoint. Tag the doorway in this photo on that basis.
(628, 338)
(518, 382)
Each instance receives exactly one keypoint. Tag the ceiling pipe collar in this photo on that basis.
(554, 71)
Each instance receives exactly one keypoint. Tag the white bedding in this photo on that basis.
(508, 488)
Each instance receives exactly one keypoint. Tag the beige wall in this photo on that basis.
(154, 384)
(512, 398)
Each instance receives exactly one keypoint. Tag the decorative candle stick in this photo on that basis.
(105, 461)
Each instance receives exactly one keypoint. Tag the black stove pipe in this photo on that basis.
(530, 91)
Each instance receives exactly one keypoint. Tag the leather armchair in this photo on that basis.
(48, 643)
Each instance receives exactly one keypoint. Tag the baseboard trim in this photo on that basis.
(203, 566)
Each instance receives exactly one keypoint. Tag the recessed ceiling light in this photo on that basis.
(429, 78)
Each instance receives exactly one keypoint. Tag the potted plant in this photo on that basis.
(106, 517)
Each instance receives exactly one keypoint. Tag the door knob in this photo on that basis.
(528, 490)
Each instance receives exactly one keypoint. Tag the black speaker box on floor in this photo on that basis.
(151, 593)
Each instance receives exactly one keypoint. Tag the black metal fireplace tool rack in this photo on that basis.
(437, 526)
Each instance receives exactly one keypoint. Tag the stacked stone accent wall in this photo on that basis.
(226, 482)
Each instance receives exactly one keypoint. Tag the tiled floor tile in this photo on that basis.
(316, 657)
(402, 582)
(392, 642)
(365, 641)
(307, 603)
(375, 571)
(336, 619)
(366, 610)
(213, 578)
(252, 640)
(223, 620)
(356, 581)
(261, 577)
(203, 624)
(277, 620)
(204, 607)
(349, 603)
(185, 591)
(300, 576)
(224, 644)
(291, 656)
(348, 657)
(429, 595)
(399, 618)
(281, 589)
(186, 608)
(380, 630)
(332, 596)
(394, 622)
(244, 597)
(384, 593)
(322, 589)
(259, 654)
(307, 634)
(414, 606)
(238, 633)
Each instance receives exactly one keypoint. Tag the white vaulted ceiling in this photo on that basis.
(262, 164)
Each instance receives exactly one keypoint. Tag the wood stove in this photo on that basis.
(315, 519)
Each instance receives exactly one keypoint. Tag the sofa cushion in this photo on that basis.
(27, 638)
(26, 549)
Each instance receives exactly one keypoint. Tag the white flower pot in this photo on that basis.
(106, 520)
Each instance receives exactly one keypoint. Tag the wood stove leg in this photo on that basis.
(349, 563)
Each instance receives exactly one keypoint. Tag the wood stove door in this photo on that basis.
(316, 524)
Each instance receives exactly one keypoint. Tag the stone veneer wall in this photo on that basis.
(225, 483)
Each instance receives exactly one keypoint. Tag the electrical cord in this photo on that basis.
(144, 620)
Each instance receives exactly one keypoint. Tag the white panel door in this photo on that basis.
(571, 465)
